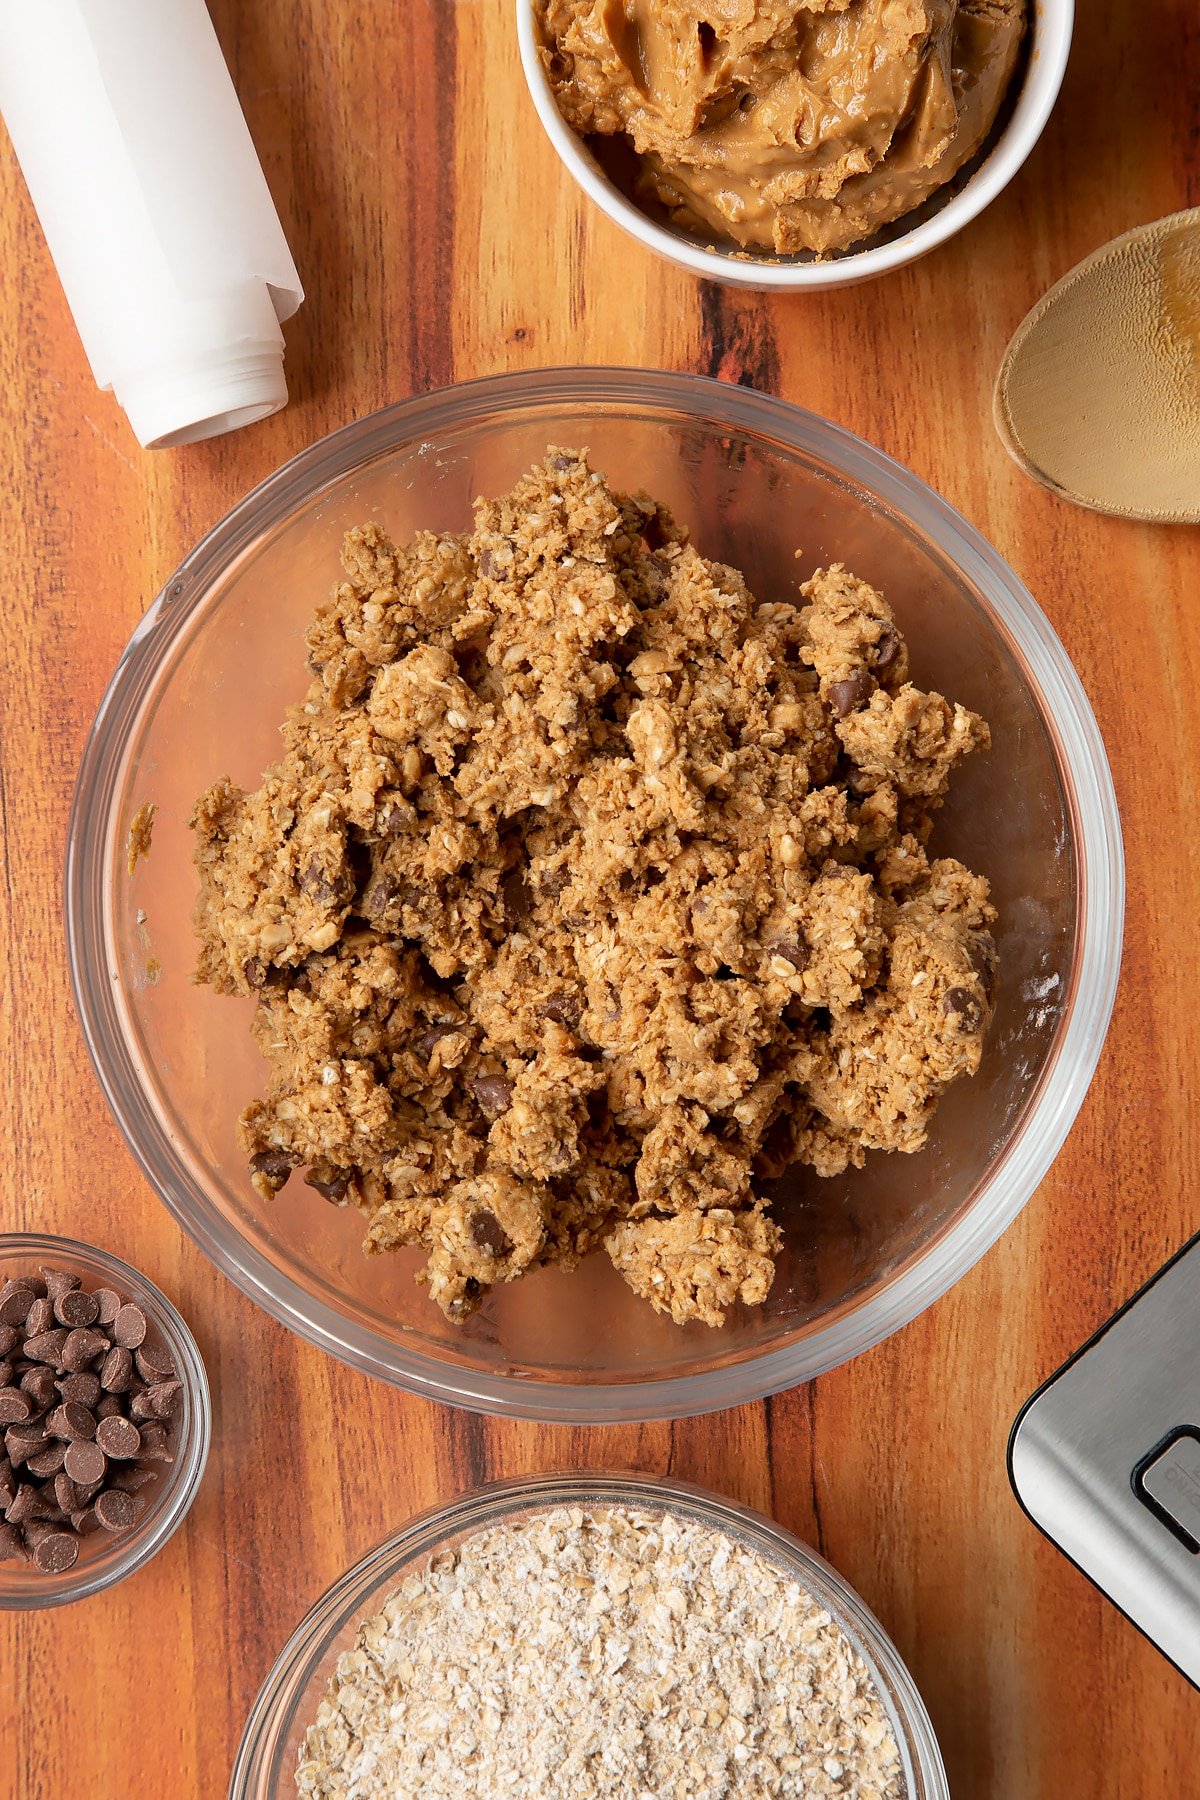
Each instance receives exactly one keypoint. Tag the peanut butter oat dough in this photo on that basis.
(587, 889)
(784, 124)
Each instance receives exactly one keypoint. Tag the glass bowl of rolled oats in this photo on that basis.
(593, 1635)
(531, 906)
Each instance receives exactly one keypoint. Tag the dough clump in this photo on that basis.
(587, 891)
(784, 125)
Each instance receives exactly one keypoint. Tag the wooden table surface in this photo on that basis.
(438, 239)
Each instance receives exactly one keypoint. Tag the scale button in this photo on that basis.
(1172, 1481)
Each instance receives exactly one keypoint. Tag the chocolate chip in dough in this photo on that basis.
(845, 696)
(493, 1093)
(960, 1004)
(793, 950)
(886, 650)
(275, 1166)
(489, 1234)
(333, 1188)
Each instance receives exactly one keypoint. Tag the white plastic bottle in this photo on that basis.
(155, 208)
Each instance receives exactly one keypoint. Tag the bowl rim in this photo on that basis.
(1053, 23)
(1088, 792)
(349, 1597)
(160, 1523)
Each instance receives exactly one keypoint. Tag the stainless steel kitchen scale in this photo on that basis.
(1105, 1459)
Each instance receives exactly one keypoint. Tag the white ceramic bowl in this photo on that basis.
(897, 244)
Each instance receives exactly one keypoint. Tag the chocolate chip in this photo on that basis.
(41, 1387)
(10, 1337)
(16, 1298)
(116, 1371)
(119, 1438)
(261, 974)
(25, 1504)
(886, 651)
(129, 1327)
(129, 1479)
(158, 1402)
(154, 1445)
(47, 1347)
(565, 1009)
(334, 1187)
(67, 1493)
(109, 1406)
(84, 1462)
(489, 1234)
(76, 1308)
(109, 1305)
(48, 1461)
(84, 1345)
(274, 1166)
(15, 1407)
(40, 1317)
(12, 1545)
(427, 1042)
(516, 896)
(116, 1510)
(154, 1363)
(493, 1094)
(84, 1388)
(472, 1288)
(321, 886)
(54, 1551)
(792, 949)
(983, 960)
(84, 1521)
(960, 1004)
(845, 695)
(58, 1282)
(24, 1440)
(70, 1420)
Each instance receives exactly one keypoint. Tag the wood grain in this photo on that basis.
(439, 239)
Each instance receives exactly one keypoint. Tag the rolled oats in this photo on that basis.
(604, 1654)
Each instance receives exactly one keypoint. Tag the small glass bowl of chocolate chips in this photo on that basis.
(104, 1420)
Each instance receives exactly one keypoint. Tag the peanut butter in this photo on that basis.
(784, 125)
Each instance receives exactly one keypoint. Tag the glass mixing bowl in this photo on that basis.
(201, 690)
(288, 1700)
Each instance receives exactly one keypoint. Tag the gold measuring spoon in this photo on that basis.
(1098, 396)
